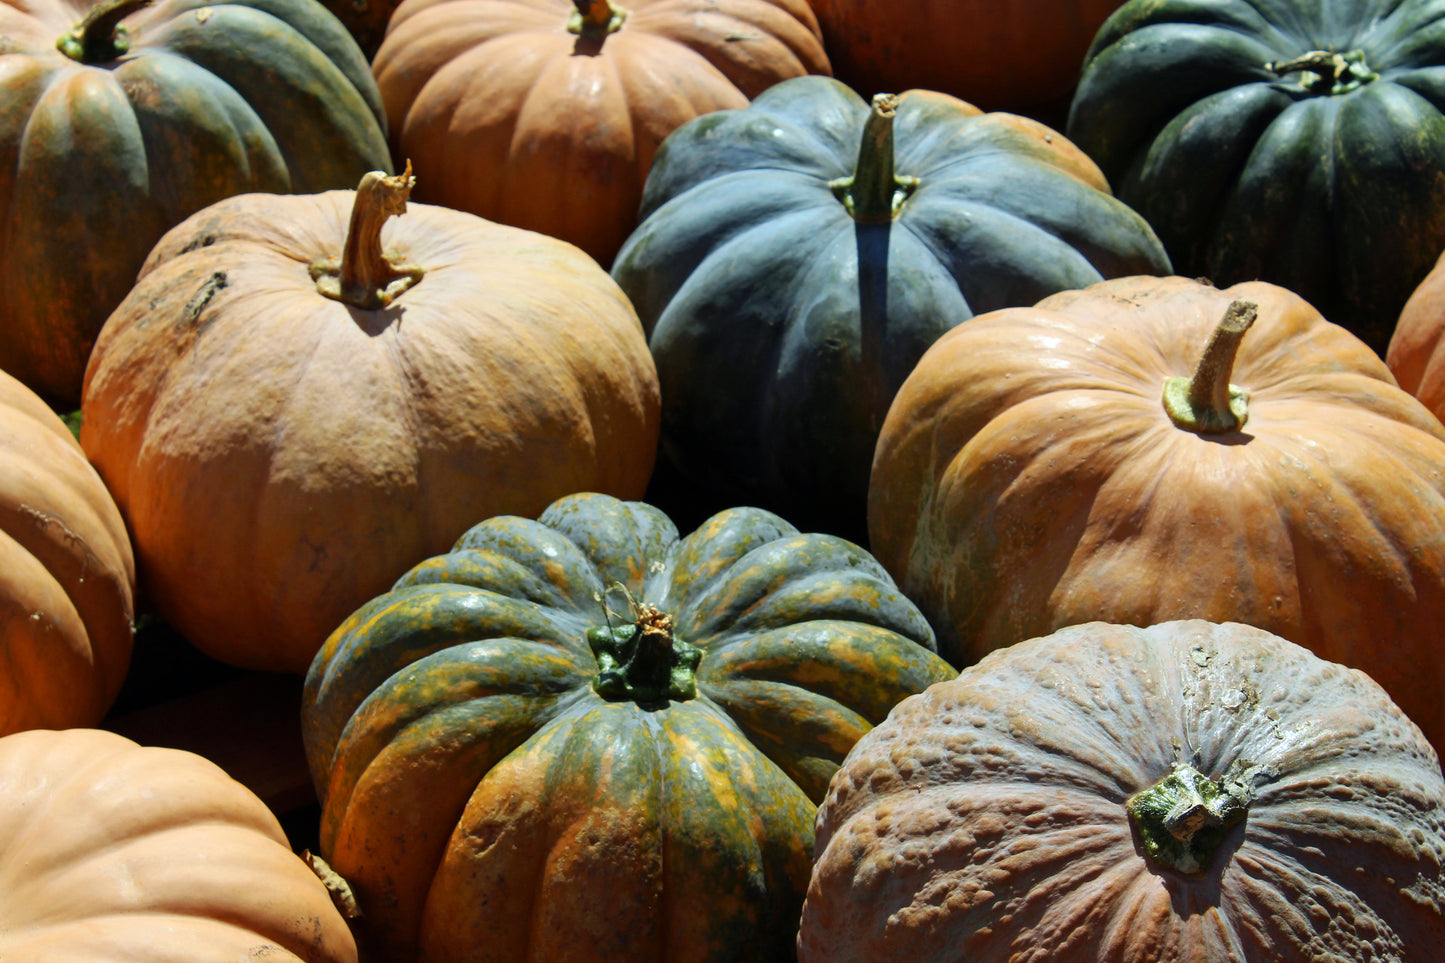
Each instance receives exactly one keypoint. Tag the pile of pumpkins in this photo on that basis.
(829, 480)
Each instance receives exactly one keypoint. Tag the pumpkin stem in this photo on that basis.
(1327, 71)
(1207, 402)
(874, 193)
(100, 36)
(595, 18)
(1182, 819)
(366, 276)
(642, 661)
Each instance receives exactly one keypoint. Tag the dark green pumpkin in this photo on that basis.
(797, 256)
(137, 120)
(584, 737)
(1301, 143)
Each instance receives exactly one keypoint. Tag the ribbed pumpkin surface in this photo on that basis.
(111, 851)
(67, 574)
(476, 776)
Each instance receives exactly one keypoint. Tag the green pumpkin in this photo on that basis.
(796, 257)
(1276, 140)
(584, 737)
(118, 121)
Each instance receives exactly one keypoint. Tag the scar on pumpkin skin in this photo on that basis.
(336, 885)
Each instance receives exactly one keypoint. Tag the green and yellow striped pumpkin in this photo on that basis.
(586, 735)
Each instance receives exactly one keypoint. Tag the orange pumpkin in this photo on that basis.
(114, 851)
(67, 574)
(1033, 473)
(1109, 794)
(1001, 56)
(545, 114)
(1416, 352)
(292, 412)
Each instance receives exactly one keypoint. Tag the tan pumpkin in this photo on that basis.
(112, 851)
(67, 574)
(292, 411)
(1032, 474)
(1189, 791)
(545, 114)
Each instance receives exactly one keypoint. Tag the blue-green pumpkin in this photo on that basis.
(796, 257)
(1300, 143)
(586, 737)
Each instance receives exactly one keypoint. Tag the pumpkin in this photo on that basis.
(1297, 143)
(796, 257)
(1113, 794)
(114, 851)
(1022, 55)
(545, 114)
(1149, 449)
(365, 20)
(590, 738)
(1416, 355)
(303, 396)
(68, 594)
(121, 119)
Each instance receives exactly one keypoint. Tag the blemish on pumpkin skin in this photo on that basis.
(200, 241)
(198, 301)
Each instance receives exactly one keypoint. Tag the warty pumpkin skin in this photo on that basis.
(67, 574)
(1016, 55)
(1301, 143)
(1028, 810)
(282, 454)
(796, 257)
(588, 738)
(113, 852)
(1030, 476)
(107, 144)
(538, 114)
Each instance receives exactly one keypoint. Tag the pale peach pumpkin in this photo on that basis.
(111, 851)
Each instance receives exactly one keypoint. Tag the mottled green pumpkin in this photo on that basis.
(584, 737)
(797, 256)
(119, 119)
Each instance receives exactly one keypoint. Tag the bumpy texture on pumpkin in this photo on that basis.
(986, 819)
(475, 780)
